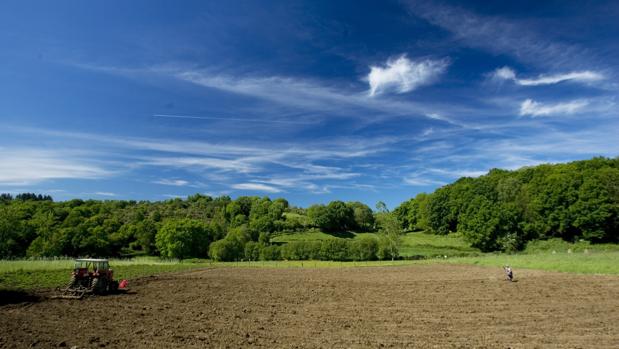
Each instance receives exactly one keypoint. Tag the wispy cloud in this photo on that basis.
(174, 196)
(538, 145)
(403, 75)
(267, 121)
(533, 108)
(256, 187)
(421, 181)
(104, 193)
(24, 166)
(336, 101)
(456, 173)
(586, 76)
(495, 34)
(580, 76)
(299, 165)
(323, 100)
(172, 182)
(237, 165)
(307, 180)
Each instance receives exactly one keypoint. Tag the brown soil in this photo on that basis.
(416, 306)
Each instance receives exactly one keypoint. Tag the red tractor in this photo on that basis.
(91, 276)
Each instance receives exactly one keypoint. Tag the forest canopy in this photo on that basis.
(505, 209)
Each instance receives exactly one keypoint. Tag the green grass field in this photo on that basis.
(557, 245)
(581, 263)
(551, 255)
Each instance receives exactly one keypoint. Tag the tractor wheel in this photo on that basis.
(95, 285)
(113, 286)
(103, 286)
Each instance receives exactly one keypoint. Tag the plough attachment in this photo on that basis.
(73, 293)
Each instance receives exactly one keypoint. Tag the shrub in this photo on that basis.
(301, 250)
(270, 253)
(252, 251)
(363, 249)
(334, 250)
(225, 250)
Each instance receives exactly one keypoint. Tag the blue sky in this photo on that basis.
(312, 101)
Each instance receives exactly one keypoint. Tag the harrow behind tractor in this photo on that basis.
(91, 276)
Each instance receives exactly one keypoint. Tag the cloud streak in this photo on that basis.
(25, 166)
(586, 76)
(533, 108)
(105, 193)
(256, 187)
(402, 75)
(265, 121)
(172, 182)
(298, 166)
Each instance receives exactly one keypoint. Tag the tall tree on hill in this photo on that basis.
(390, 239)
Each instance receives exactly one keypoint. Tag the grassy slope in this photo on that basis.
(310, 235)
(428, 245)
(413, 244)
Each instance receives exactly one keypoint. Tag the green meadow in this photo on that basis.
(550, 255)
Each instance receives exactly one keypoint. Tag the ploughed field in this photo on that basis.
(410, 306)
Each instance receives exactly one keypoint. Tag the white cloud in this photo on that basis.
(421, 182)
(533, 108)
(28, 166)
(580, 76)
(237, 165)
(403, 75)
(104, 193)
(173, 182)
(504, 73)
(256, 187)
(586, 76)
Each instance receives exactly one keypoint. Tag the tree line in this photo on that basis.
(199, 226)
(503, 210)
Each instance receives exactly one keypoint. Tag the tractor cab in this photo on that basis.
(90, 267)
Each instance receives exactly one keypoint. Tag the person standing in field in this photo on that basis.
(509, 272)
